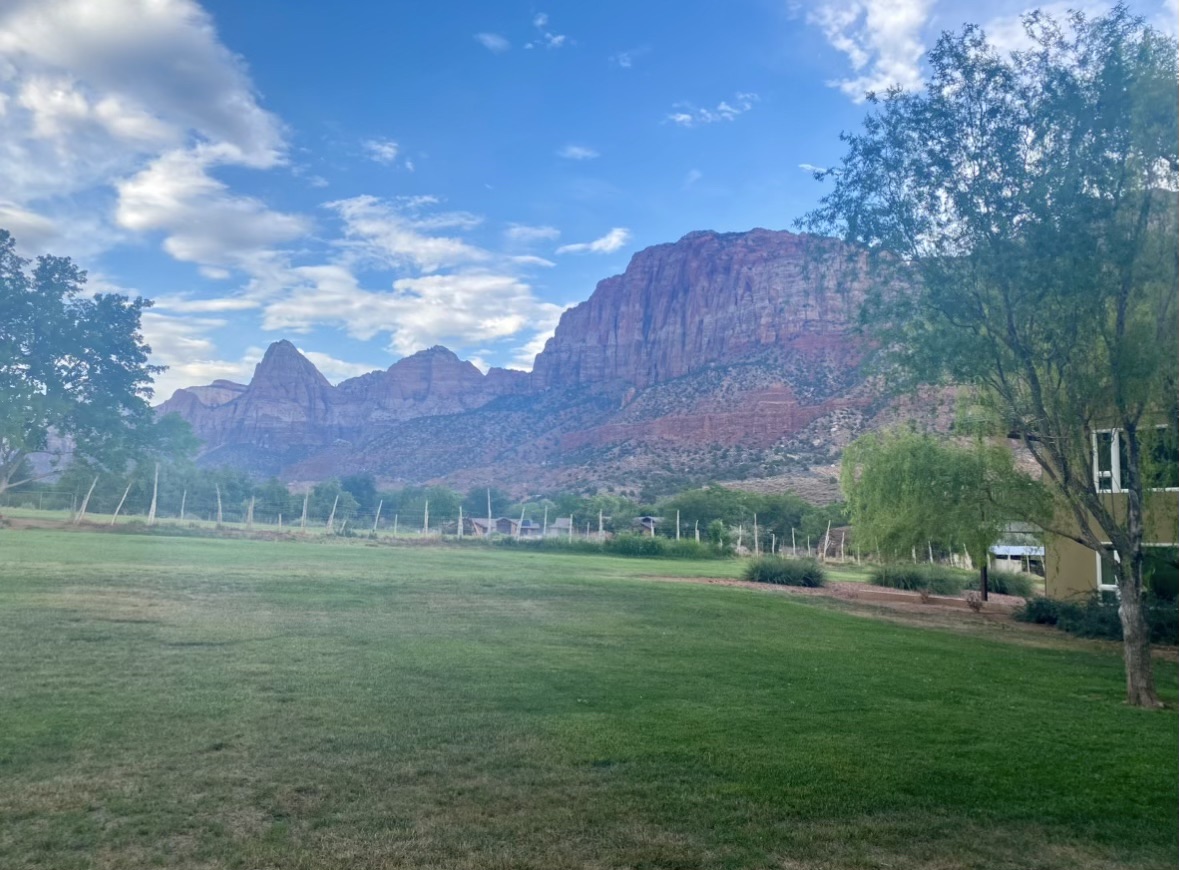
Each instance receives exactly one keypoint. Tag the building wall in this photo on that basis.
(1071, 569)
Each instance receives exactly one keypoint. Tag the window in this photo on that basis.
(1107, 569)
(1160, 570)
(1160, 458)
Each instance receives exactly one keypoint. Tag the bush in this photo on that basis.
(641, 546)
(785, 572)
(1097, 616)
(930, 578)
(1007, 583)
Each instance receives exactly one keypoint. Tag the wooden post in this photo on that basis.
(520, 525)
(697, 531)
(460, 523)
(426, 519)
(490, 519)
(756, 541)
(793, 547)
(808, 545)
(571, 527)
(395, 525)
(826, 541)
(377, 518)
(842, 546)
(280, 522)
(303, 521)
(217, 487)
(601, 529)
(115, 516)
(544, 528)
(773, 542)
(930, 545)
(677, 525)
(332, 514)
(155, 490)
(85, 501)
(740, 535)
(250, 514)
(183, 499)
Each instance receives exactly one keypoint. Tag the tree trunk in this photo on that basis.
(983, 578)
(1140, 690)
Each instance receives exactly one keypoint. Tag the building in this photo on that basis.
(1074, 570)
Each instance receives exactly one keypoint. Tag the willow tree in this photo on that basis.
(905, 488)
(1029, 202)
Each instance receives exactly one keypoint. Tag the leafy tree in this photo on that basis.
(906, 489)
(363, 488)
(74, 376)
(1031, 202)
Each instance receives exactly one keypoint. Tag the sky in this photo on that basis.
(372, 178)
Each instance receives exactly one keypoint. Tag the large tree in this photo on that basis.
(74, 376)
(1031, 200)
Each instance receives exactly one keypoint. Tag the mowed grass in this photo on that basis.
(210, 703)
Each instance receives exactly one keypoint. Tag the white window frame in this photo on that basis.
(1113, 587)
(1114, 475)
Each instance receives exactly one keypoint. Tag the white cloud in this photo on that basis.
(547, 38)
(336, 370)
(100, 98)
(882, 40)
(459, 310)
(183, 344)
(688, 115)
(617, 238)
(32, 231)
(524, 234)
(692, 177)
(578, 152)
(810, 167)
(377, 231)
(493, 42)
(202, 221)
(382, 150)
(215, 305)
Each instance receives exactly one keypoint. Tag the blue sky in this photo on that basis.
(372, 178)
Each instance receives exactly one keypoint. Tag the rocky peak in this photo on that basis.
(286, 373)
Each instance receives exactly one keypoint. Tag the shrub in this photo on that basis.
(1007, 583)
(931, 578)
(1097, 616)
(785, 572)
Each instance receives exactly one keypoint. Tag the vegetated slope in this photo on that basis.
(718, 356)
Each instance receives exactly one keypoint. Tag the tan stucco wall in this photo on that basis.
(1071, 569)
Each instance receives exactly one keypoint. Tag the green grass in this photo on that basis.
(206, 703)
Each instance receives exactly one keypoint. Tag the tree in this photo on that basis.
(906, 490)
(1029, 201)
(74, 376)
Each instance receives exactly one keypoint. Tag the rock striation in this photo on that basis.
(735, 340)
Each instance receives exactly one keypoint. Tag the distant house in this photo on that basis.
(646, 525)
(501, 526)
(1018, 549)
(560, 527)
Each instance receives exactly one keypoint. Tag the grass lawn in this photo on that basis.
(208, 703)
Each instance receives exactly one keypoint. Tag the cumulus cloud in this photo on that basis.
(184, 346)
(688, 115)
(202, 221)
(213, 305)
(617, 238)
(104, 100)
(459, 309)
(578, 152)
(493, 42)
(882, 39)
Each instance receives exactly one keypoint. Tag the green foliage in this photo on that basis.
(906, 489)
(784, 572)
(639, 546)
(928, 578)
(1006, 583)
(73, 366)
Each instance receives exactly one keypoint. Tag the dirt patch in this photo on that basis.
(906, 608)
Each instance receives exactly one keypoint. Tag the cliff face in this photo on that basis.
(708, 298)
(736, 340)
